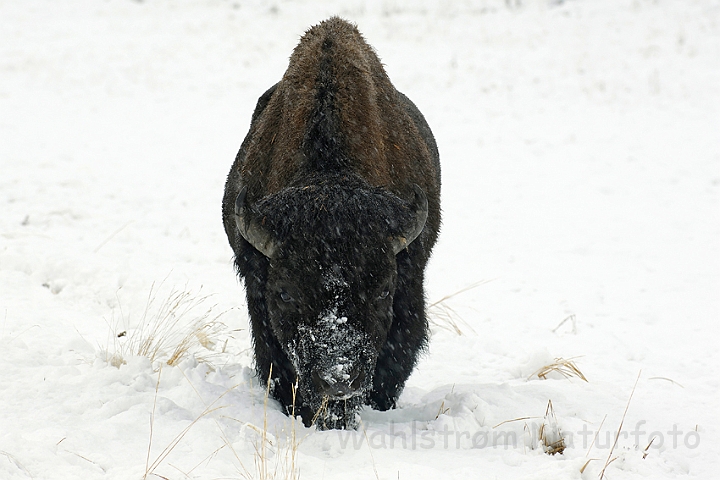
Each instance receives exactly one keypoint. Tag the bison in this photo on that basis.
(332, 207)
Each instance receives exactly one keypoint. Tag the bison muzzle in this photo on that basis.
(332, 208)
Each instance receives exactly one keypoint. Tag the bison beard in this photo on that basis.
(332, 209)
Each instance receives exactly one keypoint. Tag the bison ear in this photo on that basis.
(253, 230)
(419, 210)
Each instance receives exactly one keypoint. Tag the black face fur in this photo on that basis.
(330, 287)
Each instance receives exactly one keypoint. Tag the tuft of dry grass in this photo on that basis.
(169, 329)
(550, 434)
(565, 367)
(442, 410)
(442, 315)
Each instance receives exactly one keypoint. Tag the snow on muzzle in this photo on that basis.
(333, 358)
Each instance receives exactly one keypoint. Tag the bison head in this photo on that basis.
(330, 282)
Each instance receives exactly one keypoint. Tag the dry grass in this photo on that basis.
(565, 367)
(610, 458)
(372, 458)
(585, 465)
(646, 452)
(160, 459)
(443, 316)
(442, 410)
(572, 321)
(550, 433)
(595, 440)
(667, 380)
(261, 460)
(170, 328)
(14, 461)
(519, 419)
(321, 411)
(273, 459)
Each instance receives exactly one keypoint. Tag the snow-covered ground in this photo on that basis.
(580, 145)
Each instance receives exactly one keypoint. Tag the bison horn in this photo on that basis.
(419, 207)
(251, 229)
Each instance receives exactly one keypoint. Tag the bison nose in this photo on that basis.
(338, 388)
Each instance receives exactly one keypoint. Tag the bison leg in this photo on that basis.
(408, 334)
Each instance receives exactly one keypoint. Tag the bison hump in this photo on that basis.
(335, 109)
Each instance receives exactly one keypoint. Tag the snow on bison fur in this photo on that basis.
(332, 208)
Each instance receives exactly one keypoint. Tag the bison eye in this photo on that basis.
(383, 295)
(286, 297)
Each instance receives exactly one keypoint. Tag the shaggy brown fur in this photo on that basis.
(380, 138)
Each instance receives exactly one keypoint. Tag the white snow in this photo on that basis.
(580, 148)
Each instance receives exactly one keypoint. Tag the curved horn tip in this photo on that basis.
(419, 205)
(420, 198)
(240, 201)
(253, 231)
